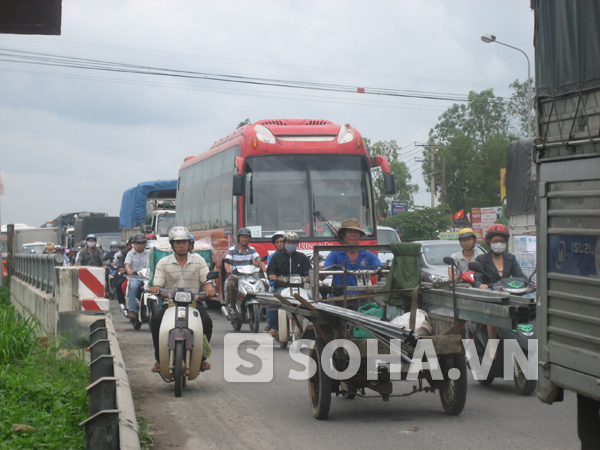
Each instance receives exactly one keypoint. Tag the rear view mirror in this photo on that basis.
(239, 185)
(389, 184)
(211, 266)
(264, 258)
(450, 261)
(212, 276)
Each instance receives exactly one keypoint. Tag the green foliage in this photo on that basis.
(404, 190)
(4, 296)
(469, 146)
(146, 440)
(518, 105)
(422, 223)
(245, 122)
(40, 389)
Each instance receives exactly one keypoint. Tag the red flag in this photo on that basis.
(459, 215)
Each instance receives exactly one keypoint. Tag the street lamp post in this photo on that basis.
(490, 38)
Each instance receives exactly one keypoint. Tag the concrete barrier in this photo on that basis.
(71, 307)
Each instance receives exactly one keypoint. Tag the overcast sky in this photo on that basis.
(74, 139)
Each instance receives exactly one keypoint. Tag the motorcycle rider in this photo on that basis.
(277, 240)
(192, 242)
(135, 261)
(90, 255)
(108, 260)
(181, 269)
(285, 263)
(239, 255)
(467, 239)
(497, 264)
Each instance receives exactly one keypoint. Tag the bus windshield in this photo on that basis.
(283, 191)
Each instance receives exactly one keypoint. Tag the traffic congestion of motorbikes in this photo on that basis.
(145, 295)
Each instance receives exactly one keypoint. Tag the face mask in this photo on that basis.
(91, 244)
(291, 248)
(498, 247)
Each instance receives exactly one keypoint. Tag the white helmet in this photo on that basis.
(178, 234)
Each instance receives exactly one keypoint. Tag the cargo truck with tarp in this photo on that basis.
(106, 230)
(148, 208)
(567, 155)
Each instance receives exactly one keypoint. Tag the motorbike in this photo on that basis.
(522, 334)
(148, 304)
(181, 336)
(289, 329)
(251, 281)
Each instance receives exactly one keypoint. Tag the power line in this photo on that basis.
(45, 59)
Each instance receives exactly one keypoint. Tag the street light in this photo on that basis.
(489, 39)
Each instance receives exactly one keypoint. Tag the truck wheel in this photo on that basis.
(489, 380)
(524, 386)
(319, 385)
(454, 392)
(178, 369)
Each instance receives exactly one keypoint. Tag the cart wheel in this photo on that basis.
(178, 372)
(283, 328)
(254, 313)
(454, 392)
(319, 385)
(524, 386)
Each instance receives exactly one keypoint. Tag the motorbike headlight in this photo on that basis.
(183, 297)
(438, 278)
(295, 279)
(249, 288)
(181, 312)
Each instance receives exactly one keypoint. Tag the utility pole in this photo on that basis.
(444, 179)
(433, 178)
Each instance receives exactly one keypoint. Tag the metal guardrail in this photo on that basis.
(112, 424)
(37, 270)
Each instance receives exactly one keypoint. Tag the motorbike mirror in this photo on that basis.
(476, 266)
(212, 276)
(450, 261)
(211, 266)
(264, 258)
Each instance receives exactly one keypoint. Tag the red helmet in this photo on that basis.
(497, 230)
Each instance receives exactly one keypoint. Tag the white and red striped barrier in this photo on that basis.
(91, 289)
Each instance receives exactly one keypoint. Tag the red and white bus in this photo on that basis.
(272, 176)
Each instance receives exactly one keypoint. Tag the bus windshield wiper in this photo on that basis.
(321, 218)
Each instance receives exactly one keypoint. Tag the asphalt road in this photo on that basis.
(215, 414)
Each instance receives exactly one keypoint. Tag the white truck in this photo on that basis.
(567, 156)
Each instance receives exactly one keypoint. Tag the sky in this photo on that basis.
(74, 139)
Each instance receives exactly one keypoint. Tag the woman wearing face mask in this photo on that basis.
(497, 264)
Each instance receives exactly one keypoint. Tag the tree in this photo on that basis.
(469, 145)
(519, 105)
(404, 190)
(422, 223)
(245, 122)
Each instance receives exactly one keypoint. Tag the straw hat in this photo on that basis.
(351, 224)
(50, 247)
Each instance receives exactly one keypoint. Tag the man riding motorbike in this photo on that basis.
(286, 263)
(467, 239)
(181, 269)
(134, 262)
(239, 255)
